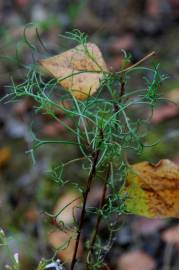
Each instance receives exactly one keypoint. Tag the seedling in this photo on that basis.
(103, 127)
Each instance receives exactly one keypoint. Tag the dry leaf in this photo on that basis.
(136, 260)
(67, 240)
(153, 190)
(81, 58)
(5, 155)
(73, 201)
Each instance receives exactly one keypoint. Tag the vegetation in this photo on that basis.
(100, 105)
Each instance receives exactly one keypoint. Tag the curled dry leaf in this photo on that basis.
(153, 190)
(78, 70)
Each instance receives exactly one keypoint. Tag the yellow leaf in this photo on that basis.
(76, 68)
(153, 189)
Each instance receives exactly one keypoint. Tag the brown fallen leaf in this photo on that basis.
(65, 210)
(78, 70)
(153, 189)
(136, 260)
(72, 201)
(5, 155)
(67, 241)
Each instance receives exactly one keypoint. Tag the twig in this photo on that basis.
(85, 197)
(138, 63)
(122, 90)
(145, 58)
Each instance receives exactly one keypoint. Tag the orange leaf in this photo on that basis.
(78, 70)
(153, 190)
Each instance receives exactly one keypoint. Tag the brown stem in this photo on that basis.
(122, 88)
(122, 92)
(83, 212)
(98, 221)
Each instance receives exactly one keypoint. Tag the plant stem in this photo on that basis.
(122, 92)
(98, 221)
(83, 212)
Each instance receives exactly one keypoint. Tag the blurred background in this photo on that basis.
(26, 190)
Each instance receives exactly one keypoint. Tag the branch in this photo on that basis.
(85, 197)
(138, 63)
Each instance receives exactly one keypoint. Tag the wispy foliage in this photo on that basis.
(103, 129)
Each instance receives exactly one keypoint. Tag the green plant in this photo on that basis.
(105, 132)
